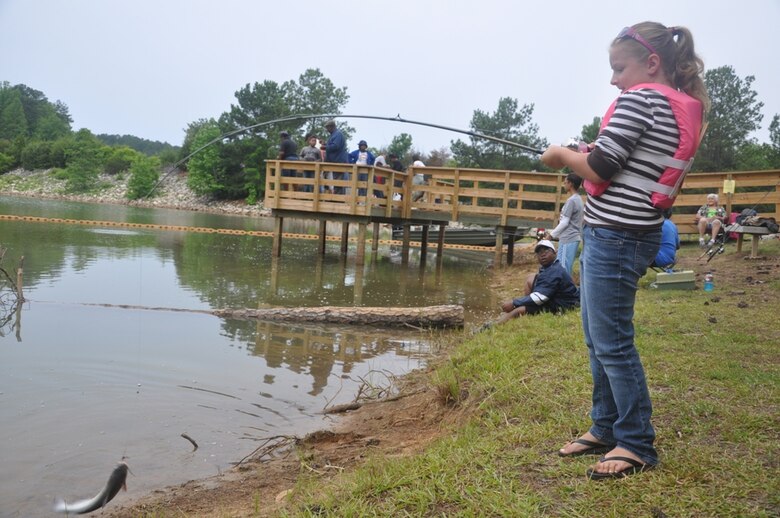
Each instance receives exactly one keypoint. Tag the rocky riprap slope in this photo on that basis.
(172, 193)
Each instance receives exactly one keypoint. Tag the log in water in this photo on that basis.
(427, 316)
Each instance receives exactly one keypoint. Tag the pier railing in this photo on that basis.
(479, 196)
(471, 196)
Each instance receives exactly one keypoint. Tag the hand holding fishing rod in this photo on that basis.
(574, 155)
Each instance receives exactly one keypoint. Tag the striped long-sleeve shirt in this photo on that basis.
(643, 119)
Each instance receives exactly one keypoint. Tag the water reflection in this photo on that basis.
(315, 350)
(11, 317)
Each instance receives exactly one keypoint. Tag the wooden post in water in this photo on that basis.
(440, 246)
(405, 245)
(344, 238)
(321, 236)
(375, 239)
(361, 244)
(424, 244)
(358, 293)
(274, 274)
(276, 248)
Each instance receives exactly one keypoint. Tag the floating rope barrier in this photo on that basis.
(207, 230)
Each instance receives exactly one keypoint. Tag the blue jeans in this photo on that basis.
(566, 254)
(310, 175)
(611, 263)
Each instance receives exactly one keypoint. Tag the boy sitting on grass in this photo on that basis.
(550, 290)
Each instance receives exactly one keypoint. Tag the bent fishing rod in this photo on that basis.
(290, 118)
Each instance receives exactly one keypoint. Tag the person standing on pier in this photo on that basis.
(362, 156)
(336, 152)
(310, 153)
(288, 150)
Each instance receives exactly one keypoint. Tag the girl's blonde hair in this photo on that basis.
(674, 45)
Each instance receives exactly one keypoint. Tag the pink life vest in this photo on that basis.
(689, 114)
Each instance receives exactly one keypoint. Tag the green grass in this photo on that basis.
(714, 391)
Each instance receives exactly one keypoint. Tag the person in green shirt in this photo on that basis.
(710, 217)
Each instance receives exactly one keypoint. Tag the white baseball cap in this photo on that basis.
(544, 242)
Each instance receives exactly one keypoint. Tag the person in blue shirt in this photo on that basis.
(670, 243)
(551, 290)
(362, 156)
(336, 151)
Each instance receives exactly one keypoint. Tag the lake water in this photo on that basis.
(81, 385)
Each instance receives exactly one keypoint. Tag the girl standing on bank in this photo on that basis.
(659, 111)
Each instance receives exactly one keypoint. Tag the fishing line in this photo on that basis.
(291, 118)
(138, 336)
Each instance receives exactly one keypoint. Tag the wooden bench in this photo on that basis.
(741, 231)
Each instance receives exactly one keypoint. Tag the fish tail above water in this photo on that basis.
(116, 481)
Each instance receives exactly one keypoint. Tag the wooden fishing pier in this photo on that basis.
(366, 195)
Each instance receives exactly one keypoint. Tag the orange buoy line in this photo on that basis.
(206, 230)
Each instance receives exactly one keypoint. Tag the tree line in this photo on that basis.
(36, 134)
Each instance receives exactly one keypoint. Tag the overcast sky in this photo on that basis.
(150, 67)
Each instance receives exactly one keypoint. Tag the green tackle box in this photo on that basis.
(682, 280)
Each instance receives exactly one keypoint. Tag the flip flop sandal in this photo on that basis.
(593, 448)
(636, 467)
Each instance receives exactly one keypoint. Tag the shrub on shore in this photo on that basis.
(144, 174)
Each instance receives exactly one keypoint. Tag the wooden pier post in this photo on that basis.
(499, 246)
(358, 292)
(276, 249)
(424, 244)
(375, 239)
(361, 245)
(510, 251)
(344, 238)
(321, 236)
(405, 246)
(274, 274)
(440, 246)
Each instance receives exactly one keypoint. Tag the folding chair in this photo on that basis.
(719, 246)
